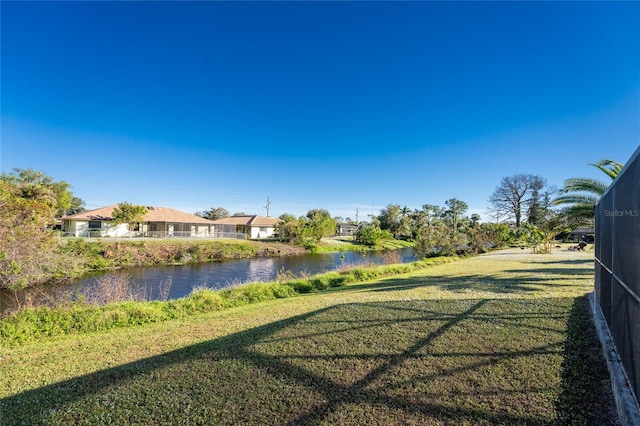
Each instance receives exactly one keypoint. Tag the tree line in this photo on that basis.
(524, 210)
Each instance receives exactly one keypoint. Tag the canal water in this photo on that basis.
(175, 281)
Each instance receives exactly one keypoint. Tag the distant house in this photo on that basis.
(158, 222)
(253, 226)
(346, 229)
(582, 234)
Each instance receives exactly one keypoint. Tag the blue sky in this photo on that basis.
(338, 105)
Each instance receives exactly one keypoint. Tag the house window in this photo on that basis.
(263, 229)
(95, 224)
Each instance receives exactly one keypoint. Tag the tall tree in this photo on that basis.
(214, 213)
(580, 195)
(372, 235)
(431, 213)
(389, 218)
(287, 228)
(29, 252)
(76, 206)
(320, 224)
(456, 209)
(535, 212)
(475, 220)
(33, 184)
(128, 213)
(513, 194)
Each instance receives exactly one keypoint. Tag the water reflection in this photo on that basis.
(152, 281)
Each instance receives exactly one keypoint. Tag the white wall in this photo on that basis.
(80, 228)
(265, 233)
(109, 230)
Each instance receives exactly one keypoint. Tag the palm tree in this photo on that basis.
(580, 195)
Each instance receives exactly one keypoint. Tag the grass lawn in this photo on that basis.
(503, 338)
(347, 243)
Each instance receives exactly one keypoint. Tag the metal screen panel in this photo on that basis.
(605, 293)
(604, 242)
(626, 222)
(624, 309)
(617, 268)
(605, 229)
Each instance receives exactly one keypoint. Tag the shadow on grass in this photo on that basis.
(525, 283)
(477, 361)
(508, 281)
(587, 263)
(586, 396)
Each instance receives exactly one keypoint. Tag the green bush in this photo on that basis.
(301, 286)
(282, 291)
(247, 293)
(99, 263)
(200, 301)
(365, 274)
(320, 283)
(372, 235)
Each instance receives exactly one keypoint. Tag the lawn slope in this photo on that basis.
(503, 338)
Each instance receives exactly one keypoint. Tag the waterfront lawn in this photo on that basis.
(341, 244)
(503, 338)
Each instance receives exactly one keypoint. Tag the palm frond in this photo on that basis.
(582, 194)
(609, 167)
(581, 211)
(575, 199)
(592, 186)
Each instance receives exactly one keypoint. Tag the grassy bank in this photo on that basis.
(81, 256)
(340, 244)
(75, 317)
(502, 338)
(78, 257)
(107, 254)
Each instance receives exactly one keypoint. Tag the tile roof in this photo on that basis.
(154, 214)
(254, 220)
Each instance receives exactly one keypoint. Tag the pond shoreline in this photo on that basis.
(100, 254)
(84, 257)
(201, 266)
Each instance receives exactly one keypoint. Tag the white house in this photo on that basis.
(254, 227)
(158, 222)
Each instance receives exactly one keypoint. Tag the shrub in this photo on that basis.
(301, 286)
(281, 291)
(202, 301)
(365, 274)
(248, 293)
(372, 235)
(320, 283)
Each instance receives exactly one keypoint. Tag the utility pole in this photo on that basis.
(268, 205)
(357, 215)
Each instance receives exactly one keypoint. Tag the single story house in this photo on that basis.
(346, 229)
(253, 226)
(582, 234)
(158, 222)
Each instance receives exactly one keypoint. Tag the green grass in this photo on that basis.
(340, 244)
(78, 317)
(105, 253)
(502, 338)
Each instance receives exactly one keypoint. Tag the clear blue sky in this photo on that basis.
(334, 105)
